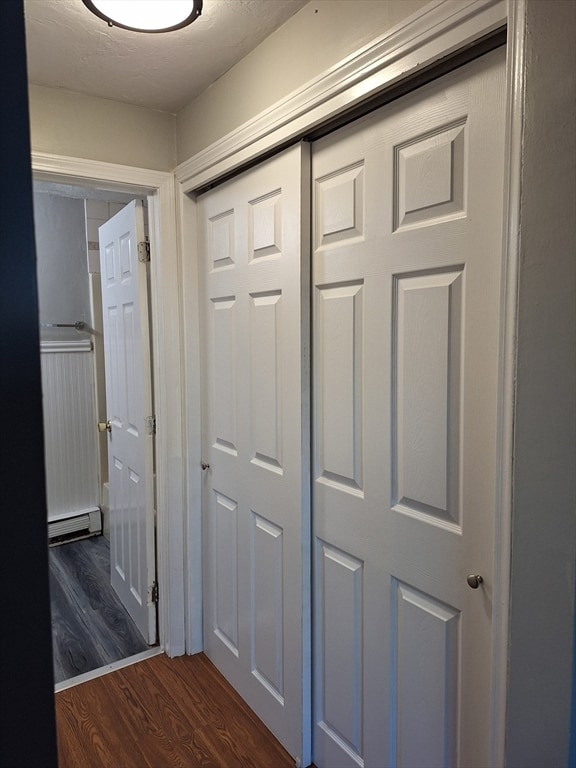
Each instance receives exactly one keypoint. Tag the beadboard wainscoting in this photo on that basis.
(70, 433)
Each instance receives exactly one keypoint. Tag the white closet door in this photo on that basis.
(406, 273)
(254, 271)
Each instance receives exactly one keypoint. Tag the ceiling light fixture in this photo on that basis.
(146, 15)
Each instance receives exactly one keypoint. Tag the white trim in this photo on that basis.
(94, 173)
(192, 420)
(439, 29)
(507, 381)
(306, 449)
(101, 671)
(82, 345)
(159, 187)
(186, 210)
(442, 28)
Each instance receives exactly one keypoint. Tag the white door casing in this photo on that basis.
(255, 440)
(407, 251)
(129, 406)
(158, 188)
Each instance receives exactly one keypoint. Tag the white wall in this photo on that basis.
(67, 376)
(320, 35)
(544, 515)
(63, 289)
(66, 123)
(98, 212)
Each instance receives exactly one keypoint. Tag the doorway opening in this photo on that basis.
(92, 630)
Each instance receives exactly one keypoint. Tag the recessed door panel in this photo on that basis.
(225, 564)
(266, 379)
(339, 646)
(265, 226)
(425, 668)
(427, 376)
(267, 569)
(220, 240)
(430, 174)
(339, 364)
(340, 206)
(224, 372)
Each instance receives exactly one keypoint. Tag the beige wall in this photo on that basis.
(313, 40)
(543, 520)
(317, 37)
(66, 123)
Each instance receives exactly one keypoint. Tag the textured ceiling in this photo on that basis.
(70, 48)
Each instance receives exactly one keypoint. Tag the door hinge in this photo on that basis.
(150, 422)
(154, 593)
(144, 251)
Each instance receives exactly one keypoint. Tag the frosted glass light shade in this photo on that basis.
(146, 15)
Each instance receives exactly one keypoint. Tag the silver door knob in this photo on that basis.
(204, 465)
(474, 580)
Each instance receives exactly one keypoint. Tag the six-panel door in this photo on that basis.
(407, 218)
(128, 405)
(254, 270)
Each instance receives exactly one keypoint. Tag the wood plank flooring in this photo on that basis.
(161, 713)
(90, 627)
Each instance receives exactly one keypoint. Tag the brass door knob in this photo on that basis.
(105, 426)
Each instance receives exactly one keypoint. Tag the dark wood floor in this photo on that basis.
(161, 713)
(90, 627)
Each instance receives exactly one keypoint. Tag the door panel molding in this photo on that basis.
(166, 345)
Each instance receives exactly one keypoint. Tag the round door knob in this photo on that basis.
(474, 580)
(204, 465)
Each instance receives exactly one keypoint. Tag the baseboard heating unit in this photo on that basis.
(78, 525)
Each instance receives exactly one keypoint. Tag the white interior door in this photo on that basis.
(256, 489)
(129, 410)
(406, 273)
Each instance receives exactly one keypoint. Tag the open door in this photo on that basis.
(130, 420)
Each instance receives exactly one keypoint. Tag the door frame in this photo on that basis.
(441, 29)
(158, 187)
